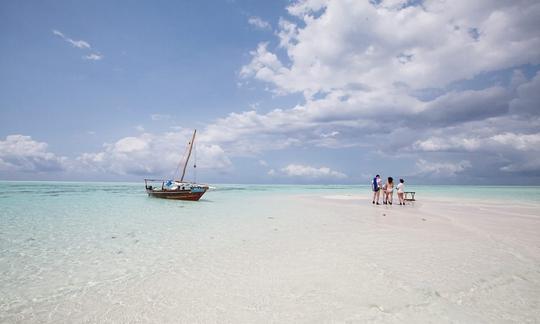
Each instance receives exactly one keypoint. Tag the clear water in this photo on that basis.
(60, 241)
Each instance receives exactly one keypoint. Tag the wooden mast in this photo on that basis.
(189, 154)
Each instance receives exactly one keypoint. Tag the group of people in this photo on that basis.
(387, 190)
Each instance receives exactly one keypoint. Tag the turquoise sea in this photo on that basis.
(63, 240)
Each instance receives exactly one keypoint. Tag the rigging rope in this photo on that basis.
(181, 162)
(195, 163)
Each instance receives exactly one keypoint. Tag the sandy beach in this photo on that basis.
(339, 259)
(308, 258)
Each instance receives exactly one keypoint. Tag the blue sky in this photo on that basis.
(167, 58)
(280, 91)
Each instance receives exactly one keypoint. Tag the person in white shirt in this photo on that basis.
(401, 192)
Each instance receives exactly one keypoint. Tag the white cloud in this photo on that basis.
(131, 144)
(75, 43)
(375, 127)
(522, 142)
(358, 42)
(153, 154)
(362, 65)
(441, 169)
(501, 142)
(249, 133)
(80, 44)
(259, 23)
(306, 7)
(93, 57)
(212, 156)
(436, 144)
(331, 134)
(22, 153)
(306, 171)
(532, 165)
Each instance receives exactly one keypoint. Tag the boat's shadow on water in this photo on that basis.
(179, 201)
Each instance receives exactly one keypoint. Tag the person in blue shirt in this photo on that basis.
(376, 187)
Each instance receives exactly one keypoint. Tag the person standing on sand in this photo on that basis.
(376, 187)
(389, 191)
(401, 191)
(384, 194)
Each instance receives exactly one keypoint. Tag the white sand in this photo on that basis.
(339, 259)
(312, 259)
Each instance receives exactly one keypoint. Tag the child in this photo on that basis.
(389, 191)
(401, 192)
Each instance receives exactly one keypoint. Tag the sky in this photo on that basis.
(310, 91)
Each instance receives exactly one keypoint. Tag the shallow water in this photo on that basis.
(73, 252)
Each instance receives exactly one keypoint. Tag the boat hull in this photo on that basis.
(176, 194)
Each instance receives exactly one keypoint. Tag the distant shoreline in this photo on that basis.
(277, 184)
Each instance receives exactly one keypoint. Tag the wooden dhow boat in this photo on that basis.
(177, 189)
